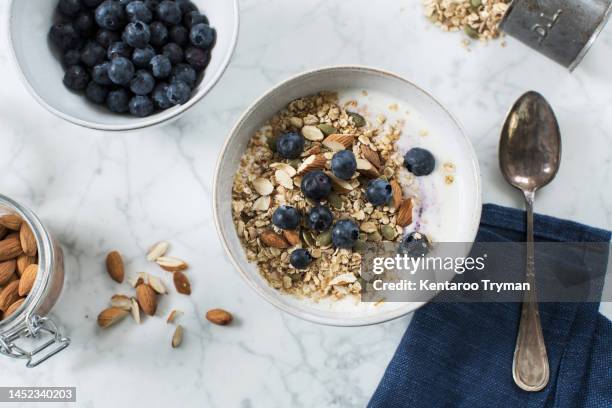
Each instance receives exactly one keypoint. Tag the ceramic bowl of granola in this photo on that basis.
(328, 162)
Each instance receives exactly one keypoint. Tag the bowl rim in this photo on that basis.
(153, 120)
(274, 299)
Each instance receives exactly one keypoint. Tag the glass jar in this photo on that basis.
(29, 333)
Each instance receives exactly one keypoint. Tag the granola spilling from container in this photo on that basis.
(479, 19)
(316, 183)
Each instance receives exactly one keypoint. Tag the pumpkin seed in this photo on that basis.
(471, 32)
(295, 163)
(359, 245)
(388, 232)
(375, 237)
(358, 120)
(476, 3)
(324, 238)
(308, 238)
(335, 201)
(271, 141)
(327, 129)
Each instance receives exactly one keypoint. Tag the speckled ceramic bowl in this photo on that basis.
(28, 24)
(463, 203)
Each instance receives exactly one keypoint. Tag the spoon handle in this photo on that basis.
(530, 366)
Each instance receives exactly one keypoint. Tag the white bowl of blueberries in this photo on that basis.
(121, 64)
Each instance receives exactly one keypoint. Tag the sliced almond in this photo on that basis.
(13, 308)
(138, 279)
(23, 261)
(110, 316)
(114, 266)
(26, 283)
(173, 316)
(27, 239)
(7, 271)
(157, 251)
(219, 317)
(11, 221)
(9, 295)
(371, 155)
(314, 162)
(172, 264)
(181, 283)
(121, 301)
(292, 237)
(10, 247)
(339, 185)
(398, 194)
(283, 179)
(343, 279)
(312, 133)
(262, 203)
(338, 141)
(272, 239)
(177, 337)
(135, 310)
(284, 167)
(157, 285)
(263, 186)
(147, 299)
(367, 169)
(404, 213)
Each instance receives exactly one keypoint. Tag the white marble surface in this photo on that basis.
(100, 191)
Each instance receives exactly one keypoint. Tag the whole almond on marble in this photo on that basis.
(12, 308)
(23, 261)
(181, 283)
(273, 240)
(404, 213)
(9, 295)
(177, 337)
(27, 239)
(157, 251)
(11, 221)
(121, 301)
(147, 299)
(110, 316)
(171, 264)
(7, 269)
(26, 283)
(219, 317)
(115, 267)
(157, 285)
(10, 247)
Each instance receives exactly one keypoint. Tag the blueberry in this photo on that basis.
(186, 6)
(110, 15)
(137, 34)
(185, 73)
(169, 12)
(286, 217)
(138, 11)
(159, 34)
(344, 164)
(419, 162)
(141, 106)
(71, 57)
(320, 218)
(106, 37)
(316, 185)
(69, 8)
(124, 3)
(160, 97)
(300, 258)
(179, 35)
(345, 234)
(174, 52)
(161, 67)
(92, 3)
(118, 101)
(119, 49)
(379, 192)
(290, 145)
(96, 93)
(152, 5)
(86, 23)
(142, 83)
(197, 58)
(99, 74)
(121, 71)
(92, 54)
(414, 244)
(202, 36)
(178, 93)
(65, 36)
(76, 78)
(142, 56)
(193, 18)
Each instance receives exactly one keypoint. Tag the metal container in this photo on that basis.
(563, 30)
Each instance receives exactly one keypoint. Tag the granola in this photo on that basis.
(265, 181)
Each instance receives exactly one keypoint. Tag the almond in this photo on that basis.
(219, 316)
(157, 251)
(372, 156)
(114, 266)
(9, 295)
(26, 283)
(172, 316)
(147, 299)
(135, 310)
(23, 261)
(272, 239)
(262, 203)
(11, 221)
(284, 167)
(263, 186)
(181, 283)
(27, 239)
(292, 237)
(3, 231)
(10, 247)
(404, 213)
(367, 169)
(398, 194)
(337, 142)
(157, 285)
(140, 278)
(121, 301)
(172, 264)
(12, 308)
(177, 337)
(339, 185)
(283, 179)
(110, 316)
(7, 269)
(312, 133)
(314, 162)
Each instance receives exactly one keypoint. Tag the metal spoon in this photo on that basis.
(529, 158)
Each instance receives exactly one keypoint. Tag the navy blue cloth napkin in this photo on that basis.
(460, 354)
